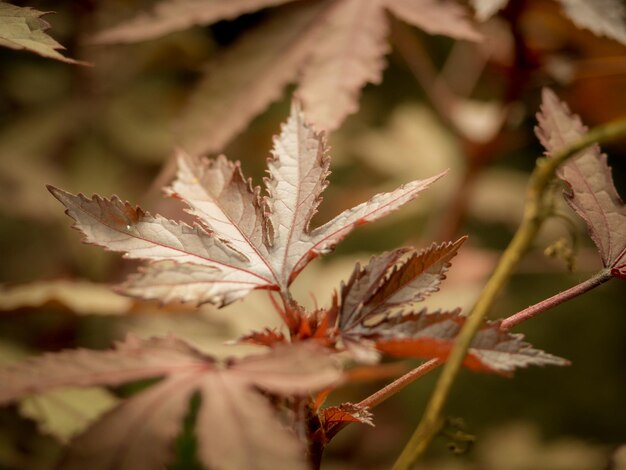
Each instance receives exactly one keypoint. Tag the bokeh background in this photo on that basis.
(108, 129)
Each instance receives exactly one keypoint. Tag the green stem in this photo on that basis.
(534, 215)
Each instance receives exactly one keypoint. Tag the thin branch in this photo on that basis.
(388, 391)
(534, 215)
(398, 384)
(401, 382)
(591, 283)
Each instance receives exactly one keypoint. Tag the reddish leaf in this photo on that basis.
(349, 53)
(394, 279)
(237, 428)
(436, 17)
(485, 9)
(249, 76)
(266, 337)
(139, 433)
(376, 314)
(346, 413)
(168, 16)
(602, 17)
(134, 359)
(240, 241)
(328, 235)
(425, 335)
(591, 192)
(331, 47)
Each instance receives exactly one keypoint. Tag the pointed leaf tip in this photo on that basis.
(240, 241)
(590, 189)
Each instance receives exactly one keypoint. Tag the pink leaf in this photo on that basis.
(239, 241)
(432, 335)
(121, 227)
(392, 280)
(297, 178)
(485, 9)
(133, 359)
(220, 196)
(168, 16)
(170, 281)
(376, 312)
(333, 48)
(249, 76)
(139, 433)
(602, 17)
(237, 428)
(436, 17)
(591, 192)
(349, 53)
(328, 235)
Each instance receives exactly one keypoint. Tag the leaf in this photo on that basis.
(591, 192)
(240, 241)
(394, 279)
(79, 296)
(348, 54)
(328, 235)
(436, 17)
(297, 178)
(250, 436)
(66, 412)
(168, 16)
(346, 413)
(485, 9)
(376, 311)
(266, 337)
(332, 48)
(249, 76)
(139, 433)
(432, 335)
(22, 28)
(350, 51)
(119, 226)
(133, 359)
(602, 17)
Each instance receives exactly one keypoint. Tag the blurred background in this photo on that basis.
(110, 128)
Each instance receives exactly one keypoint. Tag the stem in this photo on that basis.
(398, 384)
(401, 382)
(534, 215)
(388, 391)
(585, 286)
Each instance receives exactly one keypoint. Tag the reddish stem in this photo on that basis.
(578, 289)
(398, 384)
(514, 320)
(388, 391)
